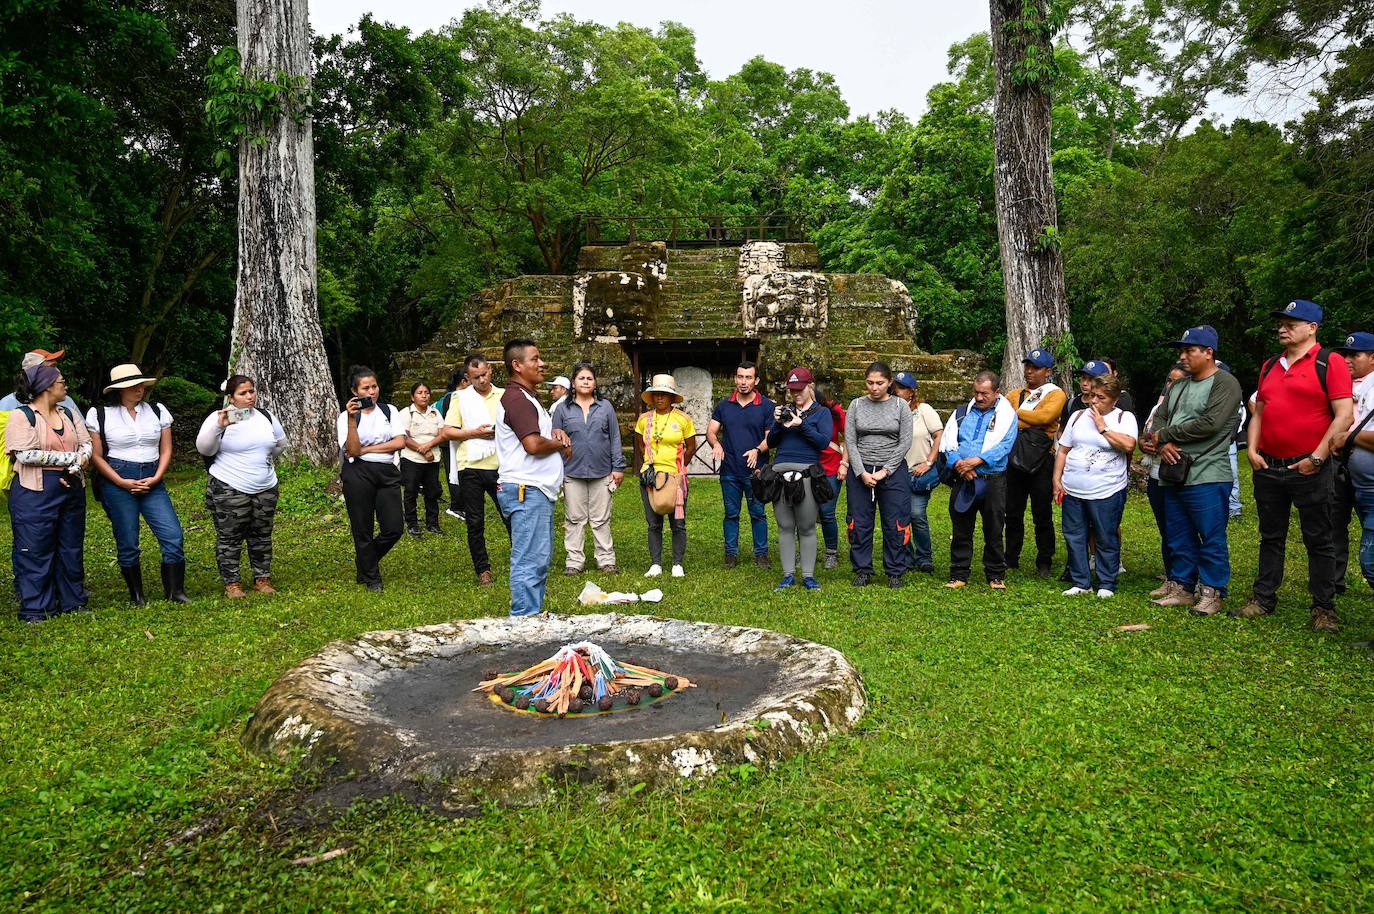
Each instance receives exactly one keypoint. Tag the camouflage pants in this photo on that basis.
(240, 517)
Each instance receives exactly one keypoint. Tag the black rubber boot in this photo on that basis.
(174, 582)
(133, 579)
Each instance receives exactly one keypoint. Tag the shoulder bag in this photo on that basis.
(1176, 474)
(1032, 446)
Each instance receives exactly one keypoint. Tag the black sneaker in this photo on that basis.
(926, 569)
(413, 531)
(435, 529)
(374, 586)
(894, 581)
(861, 578)
(1044, 571)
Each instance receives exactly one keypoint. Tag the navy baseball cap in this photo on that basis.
(1300, 310)
(1094, 369)
(1359, 341)
(1223, 366)
(905, 379)
(1040, 358)
(1204, 336)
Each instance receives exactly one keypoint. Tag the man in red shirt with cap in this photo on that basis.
(1304, 399)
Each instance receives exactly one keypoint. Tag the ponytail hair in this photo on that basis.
(23, 389)
(356, 373)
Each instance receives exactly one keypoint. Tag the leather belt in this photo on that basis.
(1278, 462)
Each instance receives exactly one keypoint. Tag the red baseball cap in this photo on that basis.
(798, 378)
(54, 356)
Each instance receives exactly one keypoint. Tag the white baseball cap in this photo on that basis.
(561, 381)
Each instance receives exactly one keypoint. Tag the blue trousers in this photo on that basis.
(49, 529)
(733, 490)
(891, 497)
(531, 545)
(1154, 492)
(1233, 505)
(124, 509)
(1195, 517)
(830, 530)
(1364, 506)
(1100, 518)
(922, 556)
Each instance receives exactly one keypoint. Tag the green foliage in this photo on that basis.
(241, 104)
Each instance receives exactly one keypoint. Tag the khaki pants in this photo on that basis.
(588, 500)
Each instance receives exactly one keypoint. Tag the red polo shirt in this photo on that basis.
(1297, 412)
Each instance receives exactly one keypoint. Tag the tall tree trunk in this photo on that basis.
(277, 339)
(1027, 218)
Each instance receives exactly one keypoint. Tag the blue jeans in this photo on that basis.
(1155, 493)
(1100, 518)
(830, 529)
(922, 556)
(732, 490)
(531, 545)
(49, 529)
(1195, 517)
(1364, 506)
(124, 508)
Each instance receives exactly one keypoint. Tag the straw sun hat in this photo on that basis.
(663, 384)
(127, 375)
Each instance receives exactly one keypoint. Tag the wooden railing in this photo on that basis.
(690, 231)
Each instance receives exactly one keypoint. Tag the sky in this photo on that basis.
(884, 54)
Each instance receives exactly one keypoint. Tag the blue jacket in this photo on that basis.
(974, 429)
(804, 443)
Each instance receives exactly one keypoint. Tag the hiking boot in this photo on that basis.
(956, 585)
(413, 531)
(1324, 620)
(264, 585)
(894, 581)
(1251, 610)
(486, 579)
(1163, 590)
(609, 569)
(731, 560)
(997, 584)
(832, 560)
(1044, 572)
(1177, 595)
(761, 559)
(374, 586)
(235, 591)
(861, 578)
(570, 572)
(435, 529)
(1208, 601)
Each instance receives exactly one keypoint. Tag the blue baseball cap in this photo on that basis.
(1223, 366)
(1300, 310)
(970, 494)
(1040, 358)
(1094, 369)
(1359, 341)
(1204, 336)
(905, 379)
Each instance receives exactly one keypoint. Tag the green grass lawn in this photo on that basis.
(1018, 752)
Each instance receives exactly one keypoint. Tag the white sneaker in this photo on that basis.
(1075, 592)
(654, 571)
(678, 572)
(1105, 594)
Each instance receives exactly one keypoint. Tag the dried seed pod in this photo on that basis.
(606, 703)
(632, 696)
(670, 683)
(574, 705)
(541, 705)
(656, 690)
(491, 674)
(585, 693)
(522, 702)
(506, 693)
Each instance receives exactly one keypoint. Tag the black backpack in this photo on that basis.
(386, 411)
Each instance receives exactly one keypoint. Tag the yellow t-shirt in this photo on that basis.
(666, 436)
(455, 418)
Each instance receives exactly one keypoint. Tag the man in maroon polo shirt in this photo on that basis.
(1297, 412)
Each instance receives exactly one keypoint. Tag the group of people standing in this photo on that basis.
(122, 450)
(1310, 442)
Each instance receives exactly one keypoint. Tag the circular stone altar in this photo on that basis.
(398, 708)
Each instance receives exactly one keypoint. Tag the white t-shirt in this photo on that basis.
(135, 439)
(244, 458)
(373, 428)
(1093, 468)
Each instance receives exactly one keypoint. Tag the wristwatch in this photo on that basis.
(1316, 461)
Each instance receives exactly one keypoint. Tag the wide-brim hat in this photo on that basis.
(663, 384)
(127, 375)
(970, 494)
